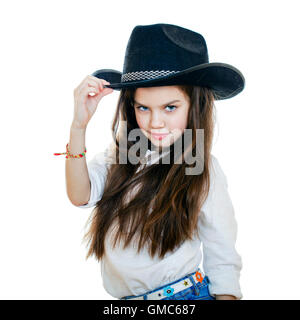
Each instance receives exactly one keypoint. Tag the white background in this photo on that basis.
(48, 47)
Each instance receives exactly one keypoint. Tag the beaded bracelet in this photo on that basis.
(69, 155)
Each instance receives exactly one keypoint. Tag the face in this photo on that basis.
(161, 110)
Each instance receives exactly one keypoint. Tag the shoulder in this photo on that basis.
(217, 181)
(216, 172)
(217, 198)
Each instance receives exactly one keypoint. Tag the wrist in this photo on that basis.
(76, 127)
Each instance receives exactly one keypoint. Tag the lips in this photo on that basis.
(159, 136)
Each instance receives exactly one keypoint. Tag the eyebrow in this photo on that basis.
(161, 106)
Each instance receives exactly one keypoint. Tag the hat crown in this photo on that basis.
(159, 49)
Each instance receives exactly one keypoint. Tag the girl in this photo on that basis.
(151, 217)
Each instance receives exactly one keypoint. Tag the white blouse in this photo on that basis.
(124, 272)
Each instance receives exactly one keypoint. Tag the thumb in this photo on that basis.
(104, 93)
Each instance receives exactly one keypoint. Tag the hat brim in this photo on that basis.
(225, 80)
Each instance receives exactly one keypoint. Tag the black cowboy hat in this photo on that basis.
(164, 54)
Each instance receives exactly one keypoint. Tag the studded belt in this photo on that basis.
(171, 289)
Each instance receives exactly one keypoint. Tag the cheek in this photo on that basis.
(179, 122)
(140, 121)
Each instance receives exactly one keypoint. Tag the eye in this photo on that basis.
(140, 107)
(173, 108)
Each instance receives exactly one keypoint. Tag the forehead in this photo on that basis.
(158, 94)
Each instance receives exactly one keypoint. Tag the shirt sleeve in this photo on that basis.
(218, 231)
(97, 169)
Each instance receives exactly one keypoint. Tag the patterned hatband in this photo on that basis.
(142, 75)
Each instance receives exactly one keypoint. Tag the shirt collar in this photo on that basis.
(154, 156)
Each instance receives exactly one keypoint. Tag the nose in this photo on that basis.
(156, 121)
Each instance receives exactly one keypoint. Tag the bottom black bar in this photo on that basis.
(113, 309)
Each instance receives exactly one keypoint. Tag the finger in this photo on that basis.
(101, 82)
(91, 81)
(94, 84)
(88, 81)
(96, 80)
(91, 91)
(98, 86)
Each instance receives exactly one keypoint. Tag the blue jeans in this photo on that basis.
(198, 291)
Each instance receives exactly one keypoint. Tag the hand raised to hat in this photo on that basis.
(86, 99)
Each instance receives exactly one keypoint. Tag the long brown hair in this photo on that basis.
(164, 211)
